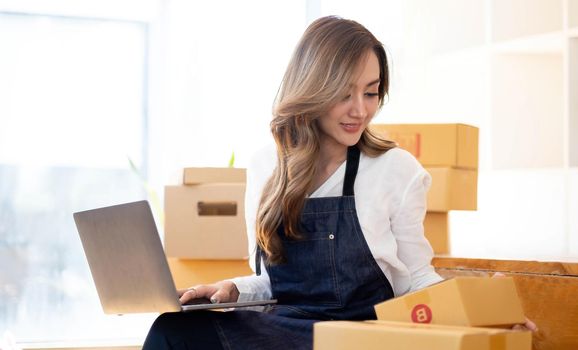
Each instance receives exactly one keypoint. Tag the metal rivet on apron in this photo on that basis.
(331, 236)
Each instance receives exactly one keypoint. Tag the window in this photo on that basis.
(74, 88)
(72, 114)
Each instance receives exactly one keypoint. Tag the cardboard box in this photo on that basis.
(205, 221)
(189, 272)
(452, 189)
(444, 145)
(436, 229)
(196, 176)
(461, 301)
(377, 335)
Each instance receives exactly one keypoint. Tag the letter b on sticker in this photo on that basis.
(421, 313)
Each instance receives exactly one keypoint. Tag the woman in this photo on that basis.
(335, 212)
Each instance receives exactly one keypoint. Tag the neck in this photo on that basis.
(331, 153)
(331, 156)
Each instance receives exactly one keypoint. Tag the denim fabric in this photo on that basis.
(237, 330)
(183, 331)
(330, 274)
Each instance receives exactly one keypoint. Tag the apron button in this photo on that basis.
(331, 236)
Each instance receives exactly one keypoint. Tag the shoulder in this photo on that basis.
(396, 169)
(395, 160)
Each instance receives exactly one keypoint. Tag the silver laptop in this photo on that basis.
(128, 263)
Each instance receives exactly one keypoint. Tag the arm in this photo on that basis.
(260, 168)
(407, 226)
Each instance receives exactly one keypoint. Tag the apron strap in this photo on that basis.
(258, 260)
(351, 167)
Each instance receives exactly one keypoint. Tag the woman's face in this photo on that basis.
(344, 123)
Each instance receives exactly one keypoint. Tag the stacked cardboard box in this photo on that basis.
(462, 313)
(460, 301)
(449, 152)
(378, 335)
(205, 236)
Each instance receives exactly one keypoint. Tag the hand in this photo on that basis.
(220, 292)
(528, 325)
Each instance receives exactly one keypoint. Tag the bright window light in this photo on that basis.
(72, 92)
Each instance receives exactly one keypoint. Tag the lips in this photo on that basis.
(350, 127)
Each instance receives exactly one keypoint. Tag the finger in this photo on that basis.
(188, 295)
(180, 292)
(518, 327)
(198, 292)
(220, 296)
(531, 325)
(206, 291)
(227, 292)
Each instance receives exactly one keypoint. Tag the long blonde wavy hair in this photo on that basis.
(317, 77)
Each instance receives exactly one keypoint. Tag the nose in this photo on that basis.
(358, 108)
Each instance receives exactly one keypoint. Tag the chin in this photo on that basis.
(344, 139)
(350, 141)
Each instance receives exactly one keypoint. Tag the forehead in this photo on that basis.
(367, 70)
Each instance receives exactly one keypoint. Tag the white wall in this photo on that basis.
(218, 72)
(220, 64)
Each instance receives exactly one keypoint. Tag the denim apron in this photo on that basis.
(329, 274)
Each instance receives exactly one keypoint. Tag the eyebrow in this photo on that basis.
(370, 83)
(373, 82)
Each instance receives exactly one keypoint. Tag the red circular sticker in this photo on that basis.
(421, 313)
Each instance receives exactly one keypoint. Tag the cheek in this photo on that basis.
(332, 117)
(325, 123)
(372, 109)
(337, 111)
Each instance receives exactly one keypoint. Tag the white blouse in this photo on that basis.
(390, 199)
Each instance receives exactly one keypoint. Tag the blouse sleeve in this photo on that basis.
(414, 249)
(255, 287)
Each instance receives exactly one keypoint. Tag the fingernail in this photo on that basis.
(214, 300)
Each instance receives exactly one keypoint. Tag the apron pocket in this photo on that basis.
(309, 277)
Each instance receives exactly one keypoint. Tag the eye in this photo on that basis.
(345, 98)
(371, 94)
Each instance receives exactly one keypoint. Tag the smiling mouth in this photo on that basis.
(351, 127)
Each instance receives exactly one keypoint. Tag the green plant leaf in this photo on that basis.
(232, 160)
